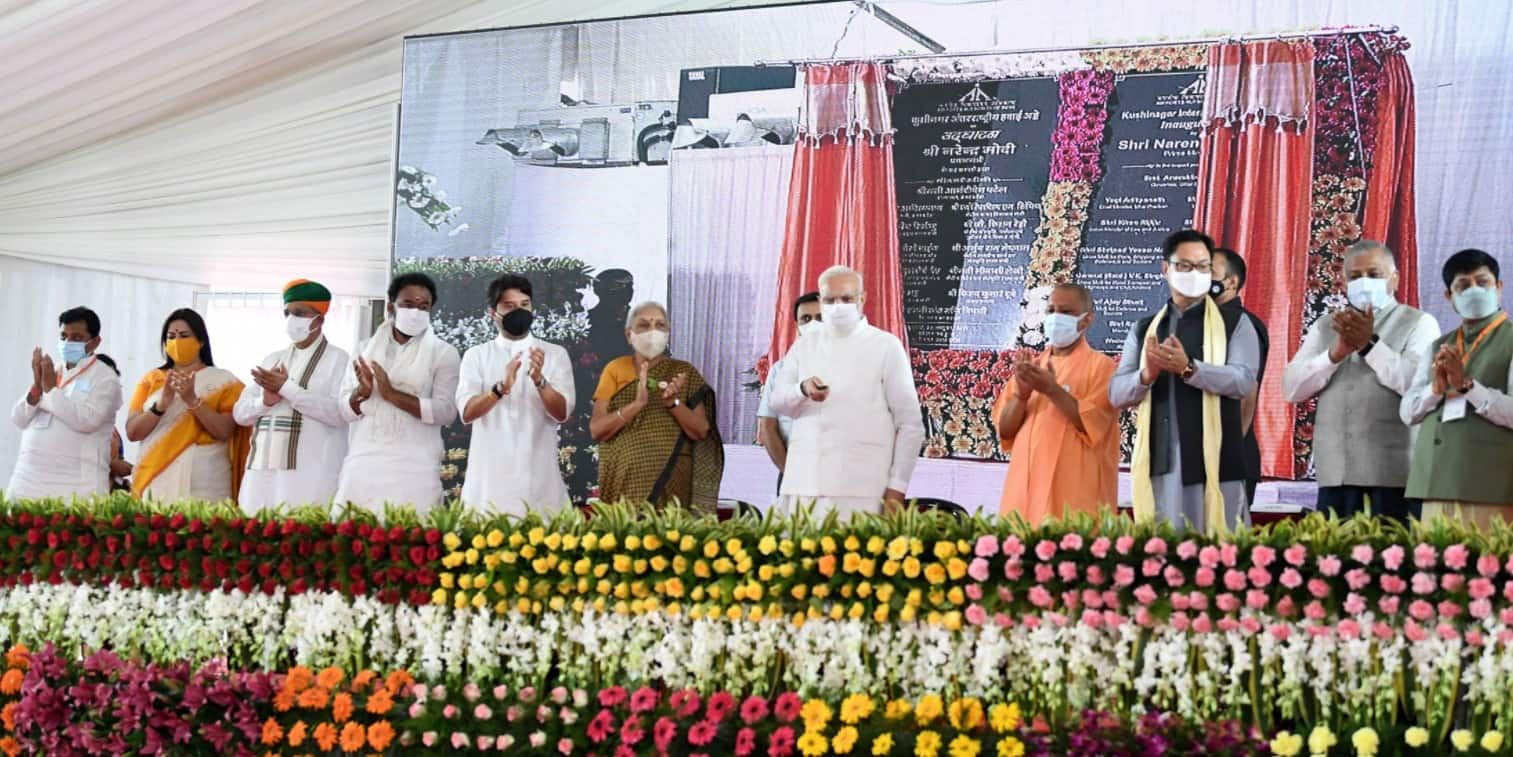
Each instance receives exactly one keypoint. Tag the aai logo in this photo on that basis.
(975, 95)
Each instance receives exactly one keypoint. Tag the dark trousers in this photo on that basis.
(1250, 492)
(1386, 502)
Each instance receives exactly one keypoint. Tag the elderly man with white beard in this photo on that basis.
(849, 389)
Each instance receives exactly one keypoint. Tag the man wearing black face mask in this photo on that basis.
(1229, 279)
(515, 390)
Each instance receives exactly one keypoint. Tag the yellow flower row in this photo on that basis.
(962, 716)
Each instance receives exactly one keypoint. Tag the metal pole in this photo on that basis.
(1082, 48)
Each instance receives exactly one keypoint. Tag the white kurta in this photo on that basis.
(866, 436)
(321, 444)
(394, 457)
(513, 462)
(66, 436)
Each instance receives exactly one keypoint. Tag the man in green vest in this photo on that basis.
(1460, 400)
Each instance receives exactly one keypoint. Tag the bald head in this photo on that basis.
(1072, 295)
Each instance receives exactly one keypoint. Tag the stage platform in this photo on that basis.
(751, 477)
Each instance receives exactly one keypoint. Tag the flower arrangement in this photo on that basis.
(416, 190)
(956, 390)
(1160, 58)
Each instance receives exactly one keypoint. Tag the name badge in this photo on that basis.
(1455, 409)
(42, 420)
(79, 386)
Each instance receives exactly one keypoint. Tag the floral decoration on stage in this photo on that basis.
(1087, 627)
(1144, 60)
(957, 389)
(1076, 167)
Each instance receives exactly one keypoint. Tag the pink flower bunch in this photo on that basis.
(1076, 144)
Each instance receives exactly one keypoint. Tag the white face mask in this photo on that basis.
(811, 328)
(297, 328)
(1475, 303)
(411, 321)
(841, 316)
(1365, 292)
(1192, 284)
(649, 344)
(1062, 330)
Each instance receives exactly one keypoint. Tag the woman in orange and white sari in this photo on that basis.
(181, 412)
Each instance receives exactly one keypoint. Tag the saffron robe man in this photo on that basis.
(1055, 421)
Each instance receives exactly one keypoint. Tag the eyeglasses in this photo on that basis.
(1183, 266)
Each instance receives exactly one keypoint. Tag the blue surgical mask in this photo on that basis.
(1475, 303)
(1061, 330)
(71, 352)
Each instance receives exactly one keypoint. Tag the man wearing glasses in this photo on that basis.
(1185, 369)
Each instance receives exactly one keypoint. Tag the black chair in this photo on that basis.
(926, 504)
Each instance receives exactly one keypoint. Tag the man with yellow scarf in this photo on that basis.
(1185, 369)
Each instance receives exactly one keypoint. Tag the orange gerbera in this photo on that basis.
(329, 678)
(8, 715)
(299, 678)
(326, 736)
(273, 733)
(10, 746)
(380, 703)
(397, 681)
(380, 735)
(10, 683)
(341, 707)
(297, 733)
(283, 701)
(19, 657)
(362, 680)
(353, 737)
(314, 699)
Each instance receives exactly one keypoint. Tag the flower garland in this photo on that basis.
(1159, 58)
(1348, 72)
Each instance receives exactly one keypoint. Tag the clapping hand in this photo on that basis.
(1354, 328)
(381, 380)
(1168, 356)
(538, 359)
(511, 371)
(364, 379)
(674, 389)
(271, 381)
(1023, 387)
(1449, 370)
(185, 387)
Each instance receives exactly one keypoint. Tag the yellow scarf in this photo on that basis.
(187, 431)
(1215, 352)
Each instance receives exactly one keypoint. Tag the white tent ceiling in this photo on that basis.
(234, 143)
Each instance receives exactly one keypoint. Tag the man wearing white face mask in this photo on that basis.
(1359, 361)
(1055, 421)
(774, 430)
(1460, 400)
(67, 416)
(399, 394)
(849, 389)
(1185, 369)
(298, 432)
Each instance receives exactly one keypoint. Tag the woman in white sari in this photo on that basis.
(181, 412)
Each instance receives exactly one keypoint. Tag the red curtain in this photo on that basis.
(1254, 189)
(1389, 214)
(842, 209)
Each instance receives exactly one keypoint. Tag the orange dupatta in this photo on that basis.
(187, 431)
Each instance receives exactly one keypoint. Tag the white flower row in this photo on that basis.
(1295, 674)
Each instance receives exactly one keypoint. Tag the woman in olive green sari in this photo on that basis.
(654, 419)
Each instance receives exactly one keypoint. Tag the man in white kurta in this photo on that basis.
(299, 437)
(849, 389)
(67, 417)
(401, 392)
(515, 390)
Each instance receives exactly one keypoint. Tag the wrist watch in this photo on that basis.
(1364, 351)
(1192, 367)
(1466, 385)
(540, 382)
(498, 390)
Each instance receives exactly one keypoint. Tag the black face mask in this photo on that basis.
(517, 322)
(1217, 288)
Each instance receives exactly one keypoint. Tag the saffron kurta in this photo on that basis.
(1054, 468)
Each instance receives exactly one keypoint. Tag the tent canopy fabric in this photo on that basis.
(236, 143)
